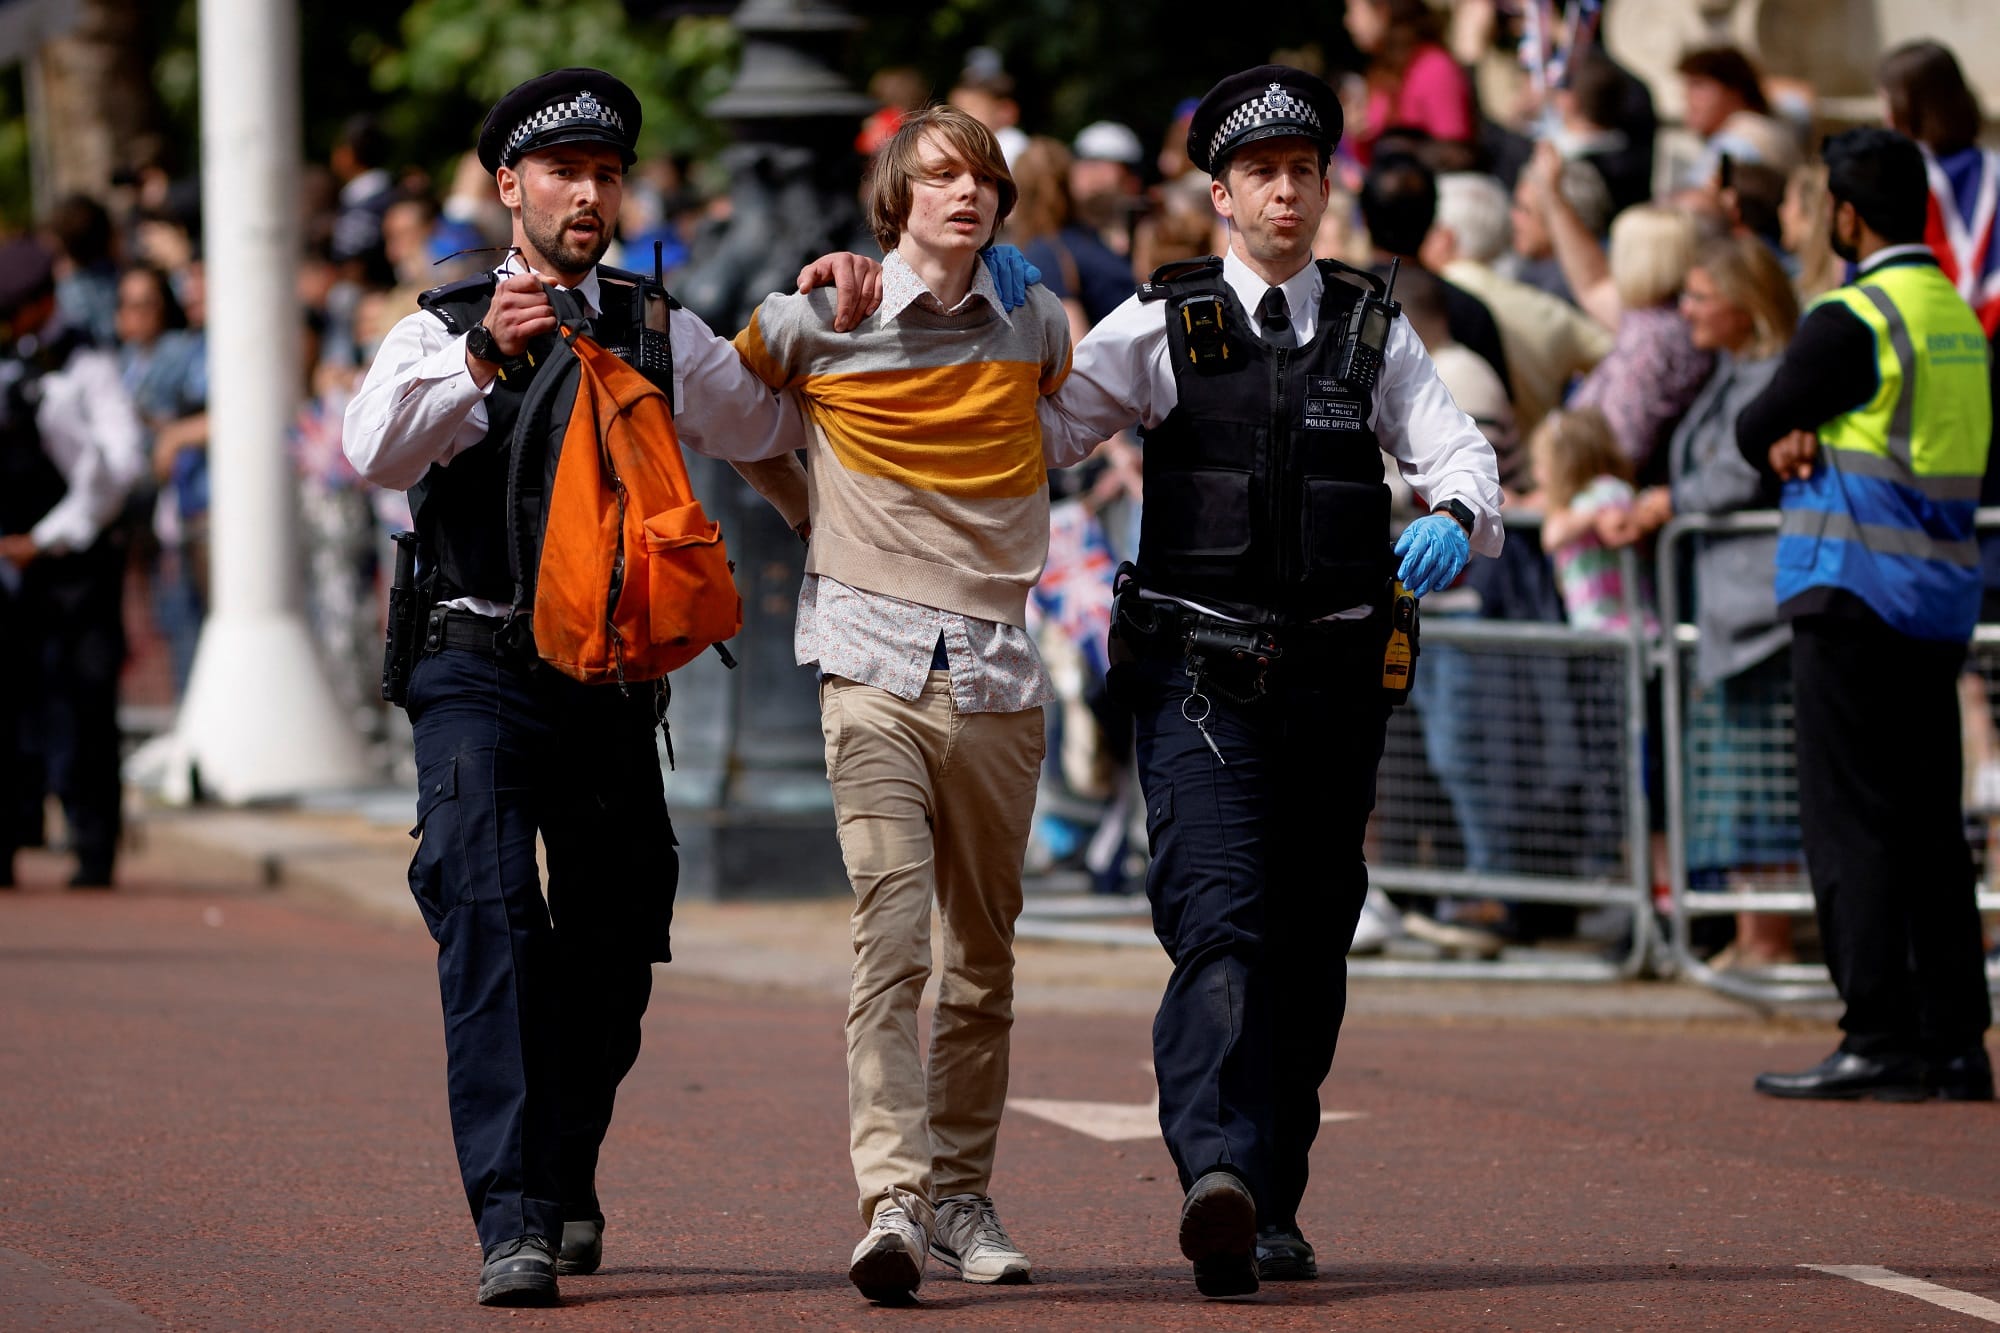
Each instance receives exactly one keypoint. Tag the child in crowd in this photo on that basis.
(1582, 476)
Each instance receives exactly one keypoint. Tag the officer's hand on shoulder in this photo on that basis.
(856, 281)
(1012, 274)
(520, 313)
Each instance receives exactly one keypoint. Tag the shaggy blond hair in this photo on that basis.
(966, 143)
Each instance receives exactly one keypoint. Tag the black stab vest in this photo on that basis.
(460, 508)
(1264, 485)
(30, 483)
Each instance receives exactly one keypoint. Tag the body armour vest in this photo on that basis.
(30, 483)
(460, 509)
(1264, 485)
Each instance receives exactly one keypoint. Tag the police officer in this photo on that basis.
(542, 998)
(1878, 419)
(1253, 633)
(71, 449)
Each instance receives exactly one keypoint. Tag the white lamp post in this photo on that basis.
(259, 719)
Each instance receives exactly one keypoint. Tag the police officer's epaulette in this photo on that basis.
(459, 305)
(1180, 276)
(1332, 270)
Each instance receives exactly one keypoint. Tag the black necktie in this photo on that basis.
(1274, 319)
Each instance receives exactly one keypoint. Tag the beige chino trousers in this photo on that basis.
(930, 803)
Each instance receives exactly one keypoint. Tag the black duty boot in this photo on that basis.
(521, 1271)
(1284, 1255)
(1219, 1233)
(582, 1248)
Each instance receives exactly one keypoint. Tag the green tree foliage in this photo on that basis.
(455, 55)
(429, 69)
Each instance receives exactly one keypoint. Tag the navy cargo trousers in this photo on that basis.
(542, 995)
(1256, 884)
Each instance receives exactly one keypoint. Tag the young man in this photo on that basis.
(542, 998)
(929, 526)
(1266, 523)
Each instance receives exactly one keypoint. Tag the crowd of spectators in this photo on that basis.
(1602, 295)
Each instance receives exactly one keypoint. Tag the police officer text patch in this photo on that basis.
(1326, 408)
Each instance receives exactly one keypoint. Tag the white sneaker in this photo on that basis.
(888, 1264)
(1380, 922)
(968, 1236)
(1459, 941)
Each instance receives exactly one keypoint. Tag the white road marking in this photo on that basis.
(1117, 1122)
(1889, 1280)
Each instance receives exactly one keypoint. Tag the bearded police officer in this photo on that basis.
(542, 998)
(1251, 640)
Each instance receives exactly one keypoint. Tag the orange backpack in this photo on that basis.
(633, 579)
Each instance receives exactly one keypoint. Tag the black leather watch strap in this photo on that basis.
(479, 342)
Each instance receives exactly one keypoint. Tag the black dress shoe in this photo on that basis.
(1219, 1233)
(582, 1249)
(1845, 1075)
(521, 1271)
(1284, 1255)
(1963, 1078)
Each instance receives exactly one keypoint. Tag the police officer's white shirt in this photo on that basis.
(1120, 374)
(419, 404)
(92, 434)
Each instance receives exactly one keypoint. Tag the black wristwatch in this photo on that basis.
(479, 342)
(1461, 511)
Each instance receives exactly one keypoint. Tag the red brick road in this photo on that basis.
(225, 1109)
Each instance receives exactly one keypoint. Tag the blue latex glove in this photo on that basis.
(1012, 274)
(1434, 551)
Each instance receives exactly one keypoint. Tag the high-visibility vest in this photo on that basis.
(1887, 513)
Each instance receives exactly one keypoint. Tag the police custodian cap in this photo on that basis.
(1262, 103)
(562, 106)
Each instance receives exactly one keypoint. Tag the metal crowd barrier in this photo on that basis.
(1696, 791)
(1517, 773)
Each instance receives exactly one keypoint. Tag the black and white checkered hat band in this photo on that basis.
(1274, 106)
(583, 109)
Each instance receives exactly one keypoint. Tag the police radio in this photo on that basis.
(1368, 333)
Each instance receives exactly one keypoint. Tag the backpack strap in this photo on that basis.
(532, 425)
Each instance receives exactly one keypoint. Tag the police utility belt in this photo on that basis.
(420, 626)
(1243, 661)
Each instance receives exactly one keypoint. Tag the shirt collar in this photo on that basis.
(902, 288)
(1897, 254)
(1301, 291)
(587, 289)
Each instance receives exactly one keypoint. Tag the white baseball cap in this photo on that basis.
(1108, 141)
